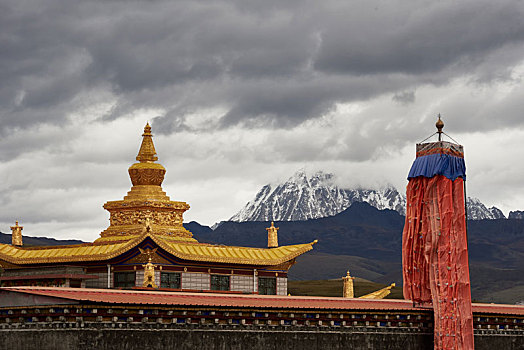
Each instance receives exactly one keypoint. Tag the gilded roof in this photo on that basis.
(147, 211)
(191, 251)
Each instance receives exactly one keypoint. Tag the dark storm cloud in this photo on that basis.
(390, 38)
(268, 64)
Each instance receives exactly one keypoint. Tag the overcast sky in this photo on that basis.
(242, 93)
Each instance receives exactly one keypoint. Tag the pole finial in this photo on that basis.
(440, 125)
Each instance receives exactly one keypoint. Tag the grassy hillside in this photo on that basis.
(333, 288)
(319, 266)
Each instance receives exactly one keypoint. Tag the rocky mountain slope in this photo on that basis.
(304, 197)
(478, 211)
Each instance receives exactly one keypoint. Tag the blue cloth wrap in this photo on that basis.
(438, 164)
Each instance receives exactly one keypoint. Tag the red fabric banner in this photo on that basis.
(435, 257)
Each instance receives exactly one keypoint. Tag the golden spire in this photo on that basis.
(348, 291)
(146, 209)
(272, 236)
(147, 152)
(147, 172)
(16, 235)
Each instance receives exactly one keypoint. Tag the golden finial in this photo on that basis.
(16, 235)
(348, 290)
(147, 129)
(146, 171)
(272, 236)
(147, 152)
(440, 125)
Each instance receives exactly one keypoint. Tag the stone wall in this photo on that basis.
(202, 327)
(222, 338)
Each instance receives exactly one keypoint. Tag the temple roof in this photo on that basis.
(145, 212)
(192, 251)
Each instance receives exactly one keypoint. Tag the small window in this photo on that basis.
(124, 279)
(267, 285)
(219, 282)
(170, 280)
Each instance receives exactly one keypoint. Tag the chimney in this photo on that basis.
(16, 235)
(272, 236)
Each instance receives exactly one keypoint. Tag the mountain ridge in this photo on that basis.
(303, 197)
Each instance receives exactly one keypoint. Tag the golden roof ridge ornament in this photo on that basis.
(379, 294)
(272, 236)
(16, 234)
(348, 289)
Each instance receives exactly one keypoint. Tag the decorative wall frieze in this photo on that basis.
(138, 217)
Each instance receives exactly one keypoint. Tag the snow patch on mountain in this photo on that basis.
(304, 197)
(478, 211)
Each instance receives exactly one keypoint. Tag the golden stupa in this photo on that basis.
(146, 201)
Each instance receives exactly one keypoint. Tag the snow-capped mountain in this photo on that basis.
(478, 211)
(304, 197)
